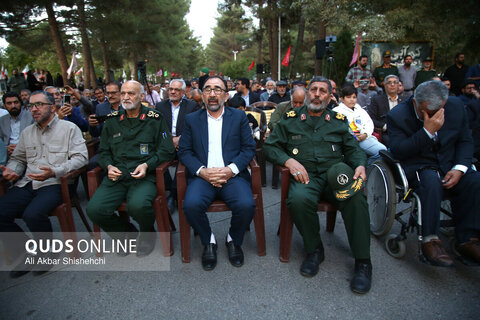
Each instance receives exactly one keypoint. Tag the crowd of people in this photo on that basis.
(326, 138)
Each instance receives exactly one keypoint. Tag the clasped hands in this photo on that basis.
(216, 176)
(140, 172)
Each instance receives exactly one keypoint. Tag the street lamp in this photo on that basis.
(235, 55)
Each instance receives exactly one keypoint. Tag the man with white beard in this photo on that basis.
(270, 86)
(134, 141)
(325, 161)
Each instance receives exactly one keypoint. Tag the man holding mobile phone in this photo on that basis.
(65, 111)
(105, 108)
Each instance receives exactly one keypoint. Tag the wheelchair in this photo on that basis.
(390, 198)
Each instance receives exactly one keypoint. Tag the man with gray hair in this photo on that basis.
(270, 87)
(298, 99)
(46, 150)
(315, 144)
(429, 134)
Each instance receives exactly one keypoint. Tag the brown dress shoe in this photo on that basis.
(470, 249)
(436, 254)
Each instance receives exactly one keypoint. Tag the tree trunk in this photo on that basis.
(106, 65)
(322, 32)
(273, 38)
(57, 39)
(83, 33)
(260, 45)
(299, 46)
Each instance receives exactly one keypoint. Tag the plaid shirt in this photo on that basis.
(356, 73)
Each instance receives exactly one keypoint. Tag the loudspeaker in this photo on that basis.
(319, 48)
(259, 68)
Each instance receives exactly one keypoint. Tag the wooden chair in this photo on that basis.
(267, 106)
(220, 206)
(64, 211)
(159, 206)
(261, 118)
(285, 229)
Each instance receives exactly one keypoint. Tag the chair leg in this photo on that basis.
(331, 218)
(262, 163)
(172, 224)
(98, 238)
(184, 234)
(65, 218)
(161, 213)
(76, 204)
(286, 231)
(275, 177)
(259, 222)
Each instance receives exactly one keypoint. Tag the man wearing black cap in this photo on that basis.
(281, 94)
(385, 69)
(426, 73)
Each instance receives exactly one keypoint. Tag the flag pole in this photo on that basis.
(279, 45)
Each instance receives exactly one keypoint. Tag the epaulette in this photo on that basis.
(290, 114)
(153, 114)
(340, 116)
(113, 114)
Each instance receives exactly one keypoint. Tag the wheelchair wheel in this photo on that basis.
(395, 248)
(381, 197)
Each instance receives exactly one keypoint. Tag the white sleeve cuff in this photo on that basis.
(198, 171)
(234, 168)
(460, 167)
(428, 133)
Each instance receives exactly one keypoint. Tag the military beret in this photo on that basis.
(340, 179)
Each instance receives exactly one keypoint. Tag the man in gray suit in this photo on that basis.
(14, 122)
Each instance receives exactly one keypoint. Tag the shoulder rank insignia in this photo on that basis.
(290, 114)
(113, 114)
(153, 114)
(340, 116)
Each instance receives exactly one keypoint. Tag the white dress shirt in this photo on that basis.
(175, 111)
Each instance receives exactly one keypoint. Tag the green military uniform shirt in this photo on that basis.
(316, 142)
(424, 75)
(128, 142)
(382, 71)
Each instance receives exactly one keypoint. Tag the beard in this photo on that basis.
(213, 104)
(129, 105)
(14, 112)
(316, 108)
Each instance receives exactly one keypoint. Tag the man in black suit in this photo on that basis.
(243, 90)
(174, 109)
(382, 104)
(429, 134)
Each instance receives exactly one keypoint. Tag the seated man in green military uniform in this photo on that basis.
(134, 141)
(312, 142)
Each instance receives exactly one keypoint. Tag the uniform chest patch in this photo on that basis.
(143, 148)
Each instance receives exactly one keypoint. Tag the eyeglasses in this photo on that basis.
(216, 90)
(37, 105)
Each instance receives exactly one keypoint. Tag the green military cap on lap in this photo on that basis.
(340, 179)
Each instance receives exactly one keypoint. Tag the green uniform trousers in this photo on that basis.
(302, 203)
(139, 195)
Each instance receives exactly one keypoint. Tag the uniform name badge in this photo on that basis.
(143, 148)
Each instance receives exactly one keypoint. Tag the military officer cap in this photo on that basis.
(340, 179)
(428, 59)
(386, 54)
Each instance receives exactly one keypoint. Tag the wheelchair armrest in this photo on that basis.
(387, 156)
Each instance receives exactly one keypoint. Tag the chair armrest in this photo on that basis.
(285, 174)
(159, 174)
(64, 183)
(92, 179)
(181, 182)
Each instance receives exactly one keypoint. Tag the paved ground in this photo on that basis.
(264, 288)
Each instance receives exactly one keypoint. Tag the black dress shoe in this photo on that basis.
(146, 243)
(309, 267)
(131, 233)
(362, 279)
(235, 254)
(209, 257)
